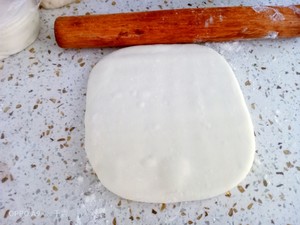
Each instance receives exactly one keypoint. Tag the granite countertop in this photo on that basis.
(47, 179)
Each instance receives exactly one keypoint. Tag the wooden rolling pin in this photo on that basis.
(177, 26)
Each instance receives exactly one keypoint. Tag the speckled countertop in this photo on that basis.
(47, 179)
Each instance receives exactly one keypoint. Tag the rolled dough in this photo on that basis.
(167, 123)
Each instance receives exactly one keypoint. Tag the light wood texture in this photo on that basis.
(177, 26)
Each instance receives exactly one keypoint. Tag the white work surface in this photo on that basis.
(47, 179)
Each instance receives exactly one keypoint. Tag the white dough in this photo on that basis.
(53, 4)
(19, 25)
(167, 123)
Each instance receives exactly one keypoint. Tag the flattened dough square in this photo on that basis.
(167, 123)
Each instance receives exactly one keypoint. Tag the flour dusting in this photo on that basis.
(276, 16)
(272, 35)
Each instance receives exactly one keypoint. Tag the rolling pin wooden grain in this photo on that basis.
(178, 26)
